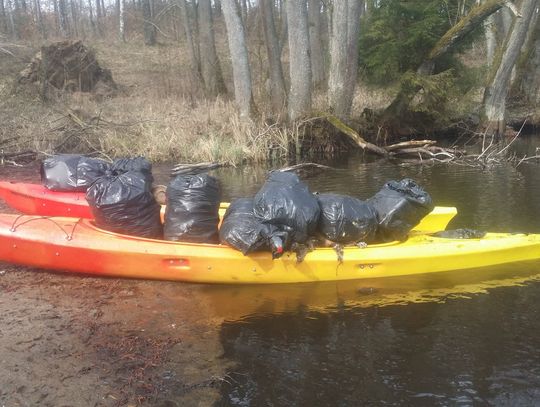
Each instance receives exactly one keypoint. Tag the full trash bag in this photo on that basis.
(400, 207)
(141, 164)
(286, 202)
(124, 204)
(345, 219)
(71, 172)
(192, 213)
(242, 230)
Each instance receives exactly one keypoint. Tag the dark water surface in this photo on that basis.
(469, 338)
(449, 339)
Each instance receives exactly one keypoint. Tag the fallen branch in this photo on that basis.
(354, 136)
(412, 143)
(424, 152)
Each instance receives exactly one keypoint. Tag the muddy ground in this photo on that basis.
(80, 341)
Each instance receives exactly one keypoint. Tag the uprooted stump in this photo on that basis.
(68, 66)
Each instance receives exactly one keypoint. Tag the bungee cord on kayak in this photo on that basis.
(16, 225)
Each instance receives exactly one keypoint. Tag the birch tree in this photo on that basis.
(278, 93)
(121, 22)
(496, 92)
(343, 56)
(239, 56)
(210, 67)
(300, 64)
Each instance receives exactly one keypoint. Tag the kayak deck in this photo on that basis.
(79, 246)
(35, 199)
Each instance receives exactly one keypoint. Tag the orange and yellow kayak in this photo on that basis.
(77, 245)
(35, 199)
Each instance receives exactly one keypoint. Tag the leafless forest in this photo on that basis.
(241, 80)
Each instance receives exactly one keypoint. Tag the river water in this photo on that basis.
(457, 338)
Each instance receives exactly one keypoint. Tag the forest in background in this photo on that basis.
(232, 81)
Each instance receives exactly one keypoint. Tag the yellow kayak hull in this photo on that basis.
(78, 246)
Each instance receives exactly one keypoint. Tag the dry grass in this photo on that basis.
(159, 112)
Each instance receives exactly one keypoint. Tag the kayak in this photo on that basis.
(35, 199)
(77, 245)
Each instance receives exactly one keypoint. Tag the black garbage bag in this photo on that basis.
(141, 164)
(124, 204)
(285, 201)
(400, 207)
(345, 219)
(192, 213)
(242, 230)
(71, 172)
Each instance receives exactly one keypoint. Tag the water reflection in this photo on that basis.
(480, 350)
(235, 303)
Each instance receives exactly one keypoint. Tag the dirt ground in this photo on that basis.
(79, 341)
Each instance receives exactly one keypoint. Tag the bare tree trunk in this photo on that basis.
(496, 29)
(39, 19)
(99, 15)
(353, 35)
(244, 7)
(490, 28)
(193, 50)
(74, 18)
(529, 78)
(343, 57)
(148, 24)
(104, 10)
(91, 16)
(300, 64)
(495, 94)
(278, 93)
(3, 17)
(12, 27)
(315, 42)
(121, 22)
(217, 7)
(239, 57)
(284, 29)
(62, 18)
(84, 23)
(210, 66)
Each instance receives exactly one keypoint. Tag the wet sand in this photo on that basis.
(80, 341)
